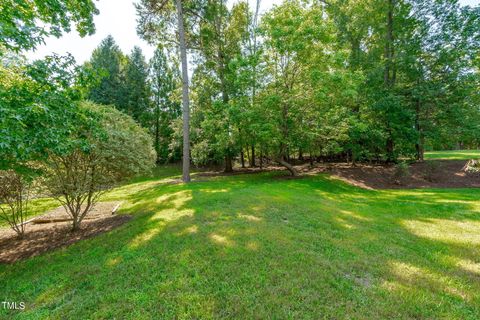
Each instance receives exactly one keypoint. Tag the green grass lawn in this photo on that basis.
(453, 155)
(257, 247)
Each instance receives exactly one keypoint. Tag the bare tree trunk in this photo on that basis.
(242, 158)
(420, 142)
(185, 97)
(287, 165)
(157, 130)
(252, 159)
(228, 164)
(261, 159)
(76, 224)
(390, 147)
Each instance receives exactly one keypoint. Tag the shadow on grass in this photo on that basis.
(256, 247)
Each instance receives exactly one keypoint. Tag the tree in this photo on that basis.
(26, 24)
(136, 86)
(308, 86)
(221, 34)
(157, 20)
(38, 103)
(108, 62)
(117, 149)
(163, 79)
(185, 96)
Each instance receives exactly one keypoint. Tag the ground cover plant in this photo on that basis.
(259, 246)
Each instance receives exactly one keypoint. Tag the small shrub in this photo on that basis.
(400, 173)
(431, 170)
(14, 196)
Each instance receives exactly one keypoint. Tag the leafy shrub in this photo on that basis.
(14, 196)
(117, 152)
(400, 173)
(431, 170)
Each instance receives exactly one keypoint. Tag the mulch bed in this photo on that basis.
(448, 174)
(43, 237)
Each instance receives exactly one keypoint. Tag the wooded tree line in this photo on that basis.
(353, 80)
(368, 80)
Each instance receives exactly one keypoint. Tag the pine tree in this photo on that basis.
(107, 60)
(136, 86)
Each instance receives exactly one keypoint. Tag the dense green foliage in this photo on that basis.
(254, 246)
(25, 24)
(39, 108)
(166, 107)
(355, 80)
(145, 91)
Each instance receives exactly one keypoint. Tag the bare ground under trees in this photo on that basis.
(444, 174)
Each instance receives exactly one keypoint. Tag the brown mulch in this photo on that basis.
(40, 238)
(448, 174)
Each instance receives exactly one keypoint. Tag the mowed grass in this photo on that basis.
(261, 247)
(453, 155)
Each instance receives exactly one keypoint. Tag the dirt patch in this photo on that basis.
(447, 174)
(44, 237)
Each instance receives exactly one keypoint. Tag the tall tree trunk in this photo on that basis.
(242, 158)
(419, 145)
(252, 158)
(157, 131)
(185, 96)
(390, 147)
(261, 158)
(228, 163)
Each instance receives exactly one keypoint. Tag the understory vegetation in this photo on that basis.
(259, 246)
